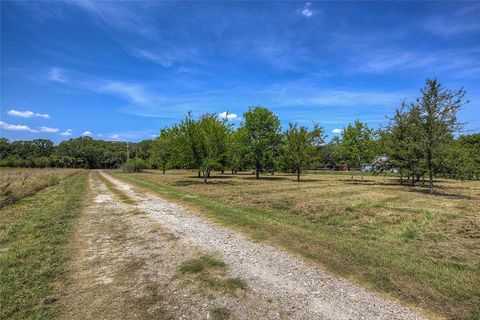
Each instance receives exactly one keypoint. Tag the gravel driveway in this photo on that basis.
(305, 290)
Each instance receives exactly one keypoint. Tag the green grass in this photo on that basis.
(33, 234)
(200, 264)
(211, 272)
(399, 250)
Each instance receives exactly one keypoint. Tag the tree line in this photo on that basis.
(418, 144)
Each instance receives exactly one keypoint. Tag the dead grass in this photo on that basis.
(16, 184)
(421, 248)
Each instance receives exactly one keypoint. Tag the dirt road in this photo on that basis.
(128, 255)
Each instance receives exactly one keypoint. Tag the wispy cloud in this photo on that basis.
(15, 127)
(167, 57)
(119, 15)
(27, 114)
(383, 61)
(66, 133)
(56, 74)
(48, 129)
(307, 10)
(133, 92)
(461, 21)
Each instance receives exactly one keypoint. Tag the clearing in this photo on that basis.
(422, 249)
(148, 259)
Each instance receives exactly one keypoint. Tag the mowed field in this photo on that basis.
(422, 249)
(36, 218)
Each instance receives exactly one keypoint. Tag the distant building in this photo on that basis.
(380, 164)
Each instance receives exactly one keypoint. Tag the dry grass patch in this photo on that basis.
(16, 184)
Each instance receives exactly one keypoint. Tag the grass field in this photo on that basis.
(423, 249)
(33, 234)
(17, 183)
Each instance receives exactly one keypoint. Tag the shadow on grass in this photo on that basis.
(211, 181)
(268, 178)
(438, 191)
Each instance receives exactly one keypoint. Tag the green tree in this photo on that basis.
(262, 135)
(403, 142)
(213, 133)
(302, 147)
(438, 108)
(162, 149)
(237, 150)
(357, 146)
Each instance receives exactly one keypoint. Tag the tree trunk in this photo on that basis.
(199, 174)
(351, 179)
(298, 175)
(208, 173)
(205, 175)
(431, 181)
(257, 170)
(163, 170)
(413, 180)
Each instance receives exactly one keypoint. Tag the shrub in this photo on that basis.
(134, 165)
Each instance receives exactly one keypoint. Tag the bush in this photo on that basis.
(134, 165)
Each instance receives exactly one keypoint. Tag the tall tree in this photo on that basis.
(357, 146)
(262, 135)
(162, 149)
(403, 142)
(301, 147)
(237, 150)
(438, 108)
(213, 133)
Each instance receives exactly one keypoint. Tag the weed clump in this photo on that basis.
(200, 264)
(212, 272)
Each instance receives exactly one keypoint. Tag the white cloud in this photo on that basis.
(307, 10)
(115, 136)
(56, 74)
(27, 114)
(337, 131)
(87, 134)
(228, 116)
(15, 127)
(47, 129)
(66, 133)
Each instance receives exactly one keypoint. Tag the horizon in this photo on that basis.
(124, 70)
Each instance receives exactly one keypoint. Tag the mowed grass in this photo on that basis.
(423, 249)
(16, 183)
(33, 234)
(211, 272)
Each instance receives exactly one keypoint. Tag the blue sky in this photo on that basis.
(122, 70)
